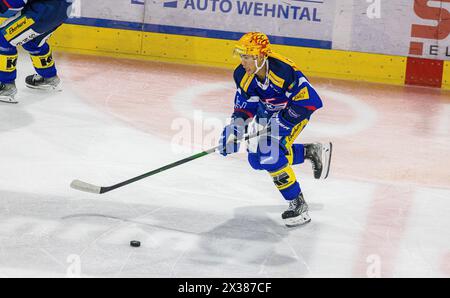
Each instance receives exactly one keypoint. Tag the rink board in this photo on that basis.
(398, 28)
(121, 38)
(446, 76)
(218, 52)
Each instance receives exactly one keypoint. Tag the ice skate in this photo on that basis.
(320, 157)
(38, 82)
(8, 92)
(297, 213)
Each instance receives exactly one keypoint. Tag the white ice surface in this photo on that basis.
(198, 220)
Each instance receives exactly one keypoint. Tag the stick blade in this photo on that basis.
(86, 187)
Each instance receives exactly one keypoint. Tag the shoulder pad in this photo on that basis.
(282, 70)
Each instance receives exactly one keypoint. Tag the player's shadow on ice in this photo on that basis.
(13, 116)
(255, 235)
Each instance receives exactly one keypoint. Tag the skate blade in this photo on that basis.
(297, 221)
(8, 100)
(326, 159)
(45, 87)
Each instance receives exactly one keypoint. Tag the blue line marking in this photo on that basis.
(171, 4)
(219, 34)
(309, 1)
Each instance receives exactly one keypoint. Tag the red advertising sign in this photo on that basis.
(432, 37)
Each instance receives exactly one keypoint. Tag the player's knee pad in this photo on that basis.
(273, 161)
(267, 161)
(269, 156)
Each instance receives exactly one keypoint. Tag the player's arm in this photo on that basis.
(6, 5)
(300, 92)
(245, 103)
(245, 107)
(303, 101)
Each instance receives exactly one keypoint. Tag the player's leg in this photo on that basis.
(41, 55)
(318, 153)
(8, 61)
(45, 17)
(287, 184)
(271, 156)
(295, 153)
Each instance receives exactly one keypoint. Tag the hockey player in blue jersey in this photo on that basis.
(273, 93)
(30, 28)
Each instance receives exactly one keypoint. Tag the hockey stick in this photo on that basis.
(87, 187)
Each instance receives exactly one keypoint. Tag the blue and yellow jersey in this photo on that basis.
(12, 4)
(285, 85)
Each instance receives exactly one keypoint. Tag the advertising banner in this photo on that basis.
(110, 13)
(292, 22)
(430, 30)
(416, 28)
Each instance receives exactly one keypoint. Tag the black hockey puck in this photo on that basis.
(135, 243)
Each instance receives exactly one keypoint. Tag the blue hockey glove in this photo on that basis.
(228, 141)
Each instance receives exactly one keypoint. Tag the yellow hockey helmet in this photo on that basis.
(253, 43)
